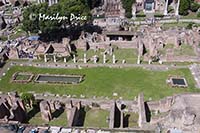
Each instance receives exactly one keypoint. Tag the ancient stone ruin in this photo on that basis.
(12, 108)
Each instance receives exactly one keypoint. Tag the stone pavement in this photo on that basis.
(9, 64)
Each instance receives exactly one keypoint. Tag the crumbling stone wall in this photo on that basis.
(12, 108)
(45, 111)
(142, 113)
(115, 116)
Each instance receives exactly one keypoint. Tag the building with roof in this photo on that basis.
(53, 51)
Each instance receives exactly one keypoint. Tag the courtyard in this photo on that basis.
(104, 82)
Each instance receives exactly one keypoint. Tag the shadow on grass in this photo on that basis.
(81, 117)
(57, 113)
(126, 121)
(148, 112)
(32, 112)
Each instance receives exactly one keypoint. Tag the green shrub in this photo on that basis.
(184, 7)
(198, 14)
(28, 98)
(189, 26)
(127, 5)
(194, 6)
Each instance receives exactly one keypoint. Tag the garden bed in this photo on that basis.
(22, 77)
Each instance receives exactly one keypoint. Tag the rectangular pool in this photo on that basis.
(65, 79)
(179, 82)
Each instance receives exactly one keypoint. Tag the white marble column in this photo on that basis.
(74, 58)
(95, 59)
(138, 60)
(50, 2)
(111, 51)
(166, 7)
(85, 58)
(54, 58)
(65, 60)
(114, 60)
(177, 8)
(104, 58)
(150, 61)
(45, 58)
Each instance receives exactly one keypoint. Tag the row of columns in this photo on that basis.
(84, 59)
(176, 10)
(51, 2)
(41, 1)
(54, 58)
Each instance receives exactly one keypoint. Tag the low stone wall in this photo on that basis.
(181, 59)
(142, 112)
(14, 76)
(73, 117)
(81, 78)
(162, 105)
(106, 44)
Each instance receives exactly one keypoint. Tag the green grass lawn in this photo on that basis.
(22, 77)
(59, 121)
(96, 118)
(173, 25)
(164, 50)
(103, 81)
(132, 119)
(191, 15)
(130, 55)
(184, 50)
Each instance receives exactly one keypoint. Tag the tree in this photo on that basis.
(184, 7)
(127, 5)
(32, 23)
(76, 7)
(190, 25)
(194, 6)
(28, 99)
(93, 3)
(198, 14)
